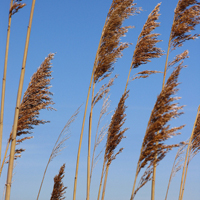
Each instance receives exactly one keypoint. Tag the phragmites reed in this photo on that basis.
(109, 50)
(110, 47)
(58, 188)
(36, 97)
(115, 135)
(186, 17)
(153, 148)
(146, 46)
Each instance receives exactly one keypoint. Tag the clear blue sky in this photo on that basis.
(72, 29)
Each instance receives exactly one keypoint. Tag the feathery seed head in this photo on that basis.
(58, 188)
(158, 131)
(145, 47)
(187, 16)
(110, 46)
(115, 134)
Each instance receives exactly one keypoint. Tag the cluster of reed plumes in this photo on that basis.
(156, 140)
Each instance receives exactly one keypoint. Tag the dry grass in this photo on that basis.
(156, 143)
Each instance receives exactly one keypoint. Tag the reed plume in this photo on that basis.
(110, 47)
(146, 48)
(153, 148)
(115, 135)
(36, 97)
(58, 188)
(186, 17)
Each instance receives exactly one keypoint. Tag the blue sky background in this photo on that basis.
(72, 29)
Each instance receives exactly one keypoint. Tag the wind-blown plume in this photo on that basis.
(115, 134)
(36, 97)
(110, 47)
(146, 46)
(58, 188)
(153, 148)
(163, 111)
(187, 16)
(114, 137)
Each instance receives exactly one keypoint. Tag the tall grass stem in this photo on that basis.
(4, 79)
(13, 141)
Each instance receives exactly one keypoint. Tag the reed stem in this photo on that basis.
(83, 123)
(101, 178)
(105, 181)
(187, 158)
(13, 139)
(4, 79)
(89, 145)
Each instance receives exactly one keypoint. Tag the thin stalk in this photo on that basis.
(81, 137)
(153, 181)
(163, 84)
(83, 123)
(13, 139)
(105, 181)
(136, 174)
(4, 79)
(89, 144)
(170, 178)
(4, 158)
(186, 157)
(101, 179)
(43, 178)
(183, 189)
